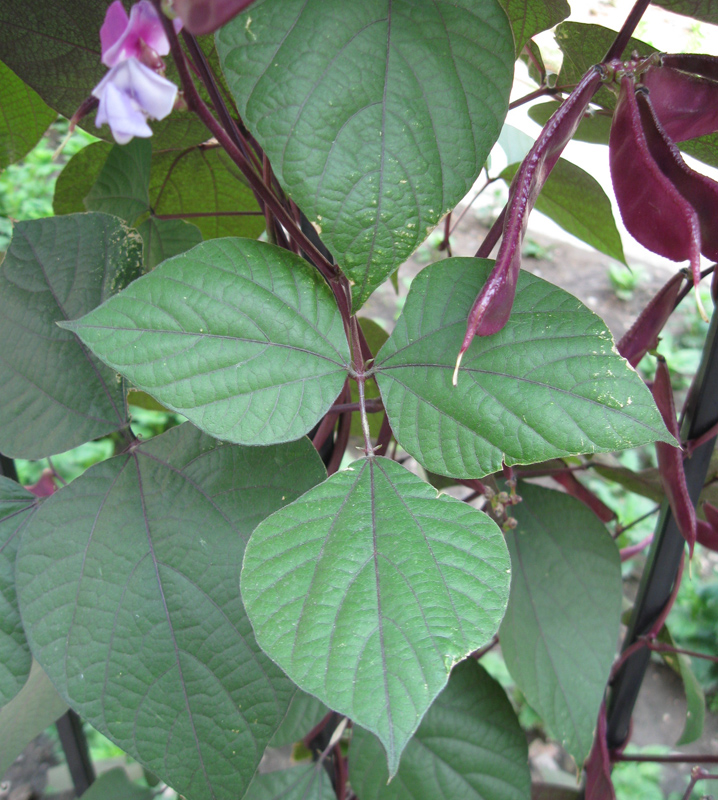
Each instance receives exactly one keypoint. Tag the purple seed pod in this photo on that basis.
(686, 104)
(576, 489)
(598, 764)
(643, 334)
(707, 533)
(693, 63)
(670, 459)
(492, 307)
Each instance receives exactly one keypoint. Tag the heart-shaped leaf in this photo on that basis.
(372, 575)
(549, 384)
(16, 508)
(307, 782)
(469, 745)
(128, 584)
(564, 611)
(56, 394)
(243, 338)
(398, 148)
(576, 201)
(23, 117)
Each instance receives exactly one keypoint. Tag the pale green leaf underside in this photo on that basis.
(306, 782)
(27, 715)
(16, 507)
(369, 588)
(56, 394)
(128, 584)
(382, 129)
(243, 338)
(469, 745)
(576, 201)
(549, 384)
(560, 631)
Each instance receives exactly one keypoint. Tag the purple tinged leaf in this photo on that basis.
(670, 459)
(598, 765)
(686, 105)
(492, 307)
(205, 16)
(642, 336)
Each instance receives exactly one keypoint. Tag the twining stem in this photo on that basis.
(629, 26)
(698, 774)
(662, 647)
(671, 758)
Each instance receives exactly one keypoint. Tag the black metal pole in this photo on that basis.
(77, 752)
(701, 414)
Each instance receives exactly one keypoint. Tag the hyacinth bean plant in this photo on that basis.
(250, 578)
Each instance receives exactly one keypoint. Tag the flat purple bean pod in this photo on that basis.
(598, 764)
(707, 533)
(670, 459)
(492, 307)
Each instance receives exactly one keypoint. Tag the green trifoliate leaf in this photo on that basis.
(549, 384)
(469, 745)
(122, 187)
(304, 713)
(307, 782)
(56, 394)
(27, 715)
(575, 200)
(372, 575)
(128, 584)
(564, 611)
(529, 17)
(374, 163)
(16, 507)
(24, 117)
(243, 338)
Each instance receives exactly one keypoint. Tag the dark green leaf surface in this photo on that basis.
(705, 149)
(529, 17)
(243, 338)
(560, 631)
(549, 384)
(24, 117)
(127, 580)
(56, 395)
(469, 745)
(594, 128)
(304, 713)
(27, 715)
(121, 187)
(54, 46)
(375, 163)
(706, 10)
(371, 575)
(16, 507)
(165, 238)
(308, 782)
(115, 785)
(583, 46)
(575, 200)
(78, 176)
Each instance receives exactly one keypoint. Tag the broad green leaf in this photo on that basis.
(198, 181)
(695, 697)
(469, 745)
(127, 580)
(115, 785)
(583, 46)
(374, 163)
(165, 238)
(54, 46)
(307, 782)
(375, 337)
(594, 128)
(575, 200)
(243, 338)
(56, 394)
(27, 715)
(369, 588)
(304, 713)
(549, 384)
(16, 507)
(24, 117)
(705, 10)
(529, 17)
(560, 631)
(121, 187)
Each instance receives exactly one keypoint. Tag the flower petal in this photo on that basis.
(122, 114)
(113, 27)
(150, 92)
(143, 26)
